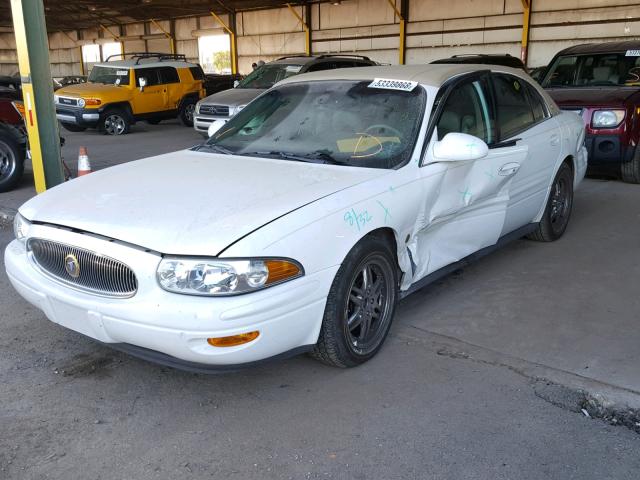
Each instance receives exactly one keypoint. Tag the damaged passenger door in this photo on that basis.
(466, 195)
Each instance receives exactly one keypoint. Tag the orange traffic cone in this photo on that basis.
(84, 167)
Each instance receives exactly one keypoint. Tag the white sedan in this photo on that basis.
(300, 223)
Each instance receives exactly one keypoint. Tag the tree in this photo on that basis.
(222, 61)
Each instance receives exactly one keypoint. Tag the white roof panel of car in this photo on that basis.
(429, 74)
(145, 64)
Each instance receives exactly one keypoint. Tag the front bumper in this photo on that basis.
(83, 117)
(173, 326)
(608, 151)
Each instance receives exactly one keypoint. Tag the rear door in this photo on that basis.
(465, 203)
(523, 119)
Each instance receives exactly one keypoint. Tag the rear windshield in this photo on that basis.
(109, 75)
(268, 75)
(595, 70)
(335, 122)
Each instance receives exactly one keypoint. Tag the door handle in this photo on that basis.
(508, 169)
(555, 139)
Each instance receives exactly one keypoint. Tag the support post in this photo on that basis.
(32, 45)
(403, 26)
(232, 39)
(305, 26)
(172, 41)
(526, 23)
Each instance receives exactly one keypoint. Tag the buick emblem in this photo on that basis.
(72, 266)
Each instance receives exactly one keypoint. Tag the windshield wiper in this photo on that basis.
(214, 148)
(319, 156)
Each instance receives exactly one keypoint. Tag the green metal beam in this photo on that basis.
(40, 115)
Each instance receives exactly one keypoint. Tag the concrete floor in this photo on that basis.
(483, 377)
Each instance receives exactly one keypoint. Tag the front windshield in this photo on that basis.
(268, 75)
(336, 122)
(603, 69)
(109, 75)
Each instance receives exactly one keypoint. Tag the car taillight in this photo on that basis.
(19, 106)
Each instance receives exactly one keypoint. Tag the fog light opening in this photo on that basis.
(233, 340)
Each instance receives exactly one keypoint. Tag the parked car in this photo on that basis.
(224, 105)
(13, 141)
(505, 60)
(601, 84)
(537, 73)
(214, 83)
(300, 223)
(58, 83)
(145, 86)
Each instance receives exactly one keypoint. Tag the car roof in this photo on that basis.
(605, 47)
(431, 74)
(142, 64)
(480, 58)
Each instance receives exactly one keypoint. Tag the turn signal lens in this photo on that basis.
(19, 106)
(92, 101)
(233, 340)
(280, 270)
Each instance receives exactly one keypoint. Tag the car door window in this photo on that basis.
(468, 109)
(540, 112)
(168, 75)
(151, 74)
(318, 67)
(513, 108)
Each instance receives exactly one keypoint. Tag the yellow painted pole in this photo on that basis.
(232, 42)
(32, 45)
(307, 30)
(526, 23)
(402, 33)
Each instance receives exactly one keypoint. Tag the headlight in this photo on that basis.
(224, 277)
(198, 107)
(81, 102)
(56, 99)
(21, 228)
(238, 108)
(607, 118)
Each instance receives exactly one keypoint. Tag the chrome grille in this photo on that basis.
(220, 110)
(95, 273)
(73, 102)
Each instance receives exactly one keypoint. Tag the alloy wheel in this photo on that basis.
(560, 204)
(7, 161)
(188, 111)
(114, 124)
(368, 307)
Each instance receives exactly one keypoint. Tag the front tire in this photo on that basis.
(115, 122)
(187, 111)
(630, 171)
(11, 162)
(72, 127)
(360, 306)
(558, 210)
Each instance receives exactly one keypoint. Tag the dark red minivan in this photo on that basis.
(601, 83)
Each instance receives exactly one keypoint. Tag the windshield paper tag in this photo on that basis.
(633, 53)
(293, 68)
(389, 84)
(122, 72)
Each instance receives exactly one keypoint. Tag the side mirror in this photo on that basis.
(459, 147)
(214, 127)
(236, 83)
(142, 82)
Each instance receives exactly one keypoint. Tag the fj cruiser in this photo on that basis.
(601, 83)
(223, 105)
(145, 86)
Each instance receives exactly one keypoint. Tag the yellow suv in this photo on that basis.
(144, 86)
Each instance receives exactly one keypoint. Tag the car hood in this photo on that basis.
(233, 97)
(84, 89)
(592, 96)
(189, 203)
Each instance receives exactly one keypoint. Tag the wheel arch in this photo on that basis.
(126, 106)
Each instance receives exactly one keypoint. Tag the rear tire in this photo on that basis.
(360, 306)
(631, 170)
(187, 111)
(72, 127)
(115, 121)
(11, 162)
(558, 210)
